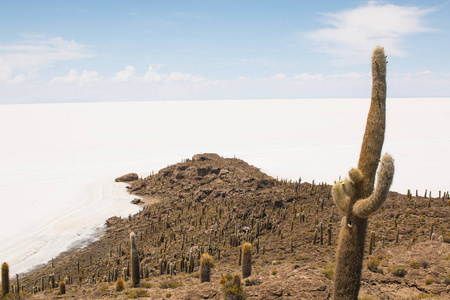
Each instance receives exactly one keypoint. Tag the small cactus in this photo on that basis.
(17, 283)
(120, 285)
(62, 288)
(206, 263)
(135, 278)
(5, 279)
(246, 260)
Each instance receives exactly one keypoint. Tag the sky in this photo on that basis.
(69, 51)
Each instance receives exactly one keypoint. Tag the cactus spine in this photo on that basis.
(5, 279)
(135, 278)
(206, 263)
(357, 197)
(246, 260)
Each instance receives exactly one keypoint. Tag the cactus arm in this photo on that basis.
(356, 176)
(340, 197)
(366, 207)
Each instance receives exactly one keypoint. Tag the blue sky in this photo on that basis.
(56, 51)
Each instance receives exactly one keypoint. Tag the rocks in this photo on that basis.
(127, 177)
(136, 201)
(112, 221)
(205, 157)
(203, 171)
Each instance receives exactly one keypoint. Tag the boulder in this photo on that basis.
(127, 177)
(136, 201)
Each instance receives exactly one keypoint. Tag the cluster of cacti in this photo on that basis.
(356, 196)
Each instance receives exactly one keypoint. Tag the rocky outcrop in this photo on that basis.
(136, 201)
(127, 177)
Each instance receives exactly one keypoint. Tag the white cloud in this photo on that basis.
(152, 74)
(306, 76)
(178, 76)
(35, 53)
(18, 79)
(125, 75)
(424, 73)
(304, 85)
(278, 76)
(86, 77)
(353, 34)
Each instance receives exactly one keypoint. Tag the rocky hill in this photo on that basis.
(213, 204)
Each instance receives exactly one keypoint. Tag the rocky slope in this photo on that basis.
(214, 204)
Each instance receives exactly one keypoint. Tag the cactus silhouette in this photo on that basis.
(134, 261)
(356, 196)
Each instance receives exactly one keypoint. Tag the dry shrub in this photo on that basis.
(170, 284)
(398, 271)
(328, 271)
(231, 287)
(414, 264)
(373, 264)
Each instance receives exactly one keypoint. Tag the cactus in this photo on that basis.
(5, 279)
(371, 242)
(52, 281)
(206, 263)
(62, 288)
(246, 260)
(18, 283)
(356, 196)
(135, 278)
(120, 285)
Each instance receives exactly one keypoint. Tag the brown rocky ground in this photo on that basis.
(213, 204)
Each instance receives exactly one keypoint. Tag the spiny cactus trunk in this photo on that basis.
(357, 197)
(349, 259)
(134, 261)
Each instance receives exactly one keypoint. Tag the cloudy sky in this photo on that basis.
(58, 51)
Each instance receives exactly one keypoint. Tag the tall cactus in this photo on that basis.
(134, 261)
(356, 196)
